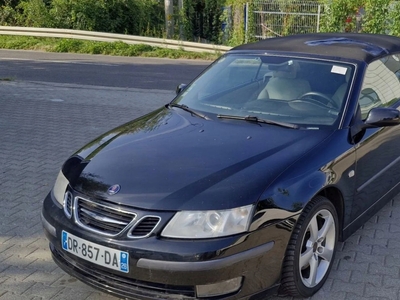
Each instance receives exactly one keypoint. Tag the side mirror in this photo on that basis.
(381, 117)
(377, 117)
(180, 88)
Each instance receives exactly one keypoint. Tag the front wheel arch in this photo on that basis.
(335, 196)
(311, 249)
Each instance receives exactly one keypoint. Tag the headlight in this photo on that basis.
(208, 224)
(59, 187)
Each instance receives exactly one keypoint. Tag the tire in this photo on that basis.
(311, 249)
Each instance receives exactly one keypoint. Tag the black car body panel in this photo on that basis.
(231, 148)
(169, 283)
(241, 159)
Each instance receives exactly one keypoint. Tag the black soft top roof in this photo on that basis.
(359, 46)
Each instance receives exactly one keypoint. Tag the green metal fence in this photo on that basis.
(274, 18)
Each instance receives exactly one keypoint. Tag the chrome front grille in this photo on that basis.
(68, 202)
(101, 218)
(144, 227)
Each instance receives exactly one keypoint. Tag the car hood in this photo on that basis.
(172, 160)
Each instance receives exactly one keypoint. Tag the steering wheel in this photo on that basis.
(330, 101)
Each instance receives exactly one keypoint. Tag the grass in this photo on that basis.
(7, 78)
(91, 47)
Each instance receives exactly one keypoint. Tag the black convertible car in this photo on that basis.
(244, 183)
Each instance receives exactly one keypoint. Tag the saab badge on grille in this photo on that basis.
(114, 189)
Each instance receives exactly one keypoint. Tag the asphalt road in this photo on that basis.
(98, 70)
(56, 103)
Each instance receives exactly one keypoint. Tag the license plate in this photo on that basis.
(95, 253)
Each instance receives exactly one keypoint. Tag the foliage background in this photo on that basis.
(211, 21)
(138, 17)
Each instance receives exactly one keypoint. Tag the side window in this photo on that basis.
(381, 86)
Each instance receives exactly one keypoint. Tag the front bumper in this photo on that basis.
(172, 269)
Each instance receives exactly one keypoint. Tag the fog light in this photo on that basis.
(219, 288)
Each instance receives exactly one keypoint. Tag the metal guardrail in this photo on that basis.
(112, 37)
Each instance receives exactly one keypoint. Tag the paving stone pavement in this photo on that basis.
(41, 124)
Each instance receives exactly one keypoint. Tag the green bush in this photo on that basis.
(138, 17)
(202, 20)
(394, 17)
(380, 16)
(337, 15)
(237, 34)
(33, 13)
(376, 16)
(7, 13)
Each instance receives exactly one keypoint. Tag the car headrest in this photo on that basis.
(288, 69)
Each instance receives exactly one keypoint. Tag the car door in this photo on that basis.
(378, 152)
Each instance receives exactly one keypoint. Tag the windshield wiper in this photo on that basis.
(186, 108)
(258, 120)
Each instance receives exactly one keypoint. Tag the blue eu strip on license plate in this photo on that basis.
(95, 253)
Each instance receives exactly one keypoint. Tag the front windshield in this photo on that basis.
(307, 92)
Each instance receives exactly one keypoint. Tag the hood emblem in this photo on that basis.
(114, 189)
